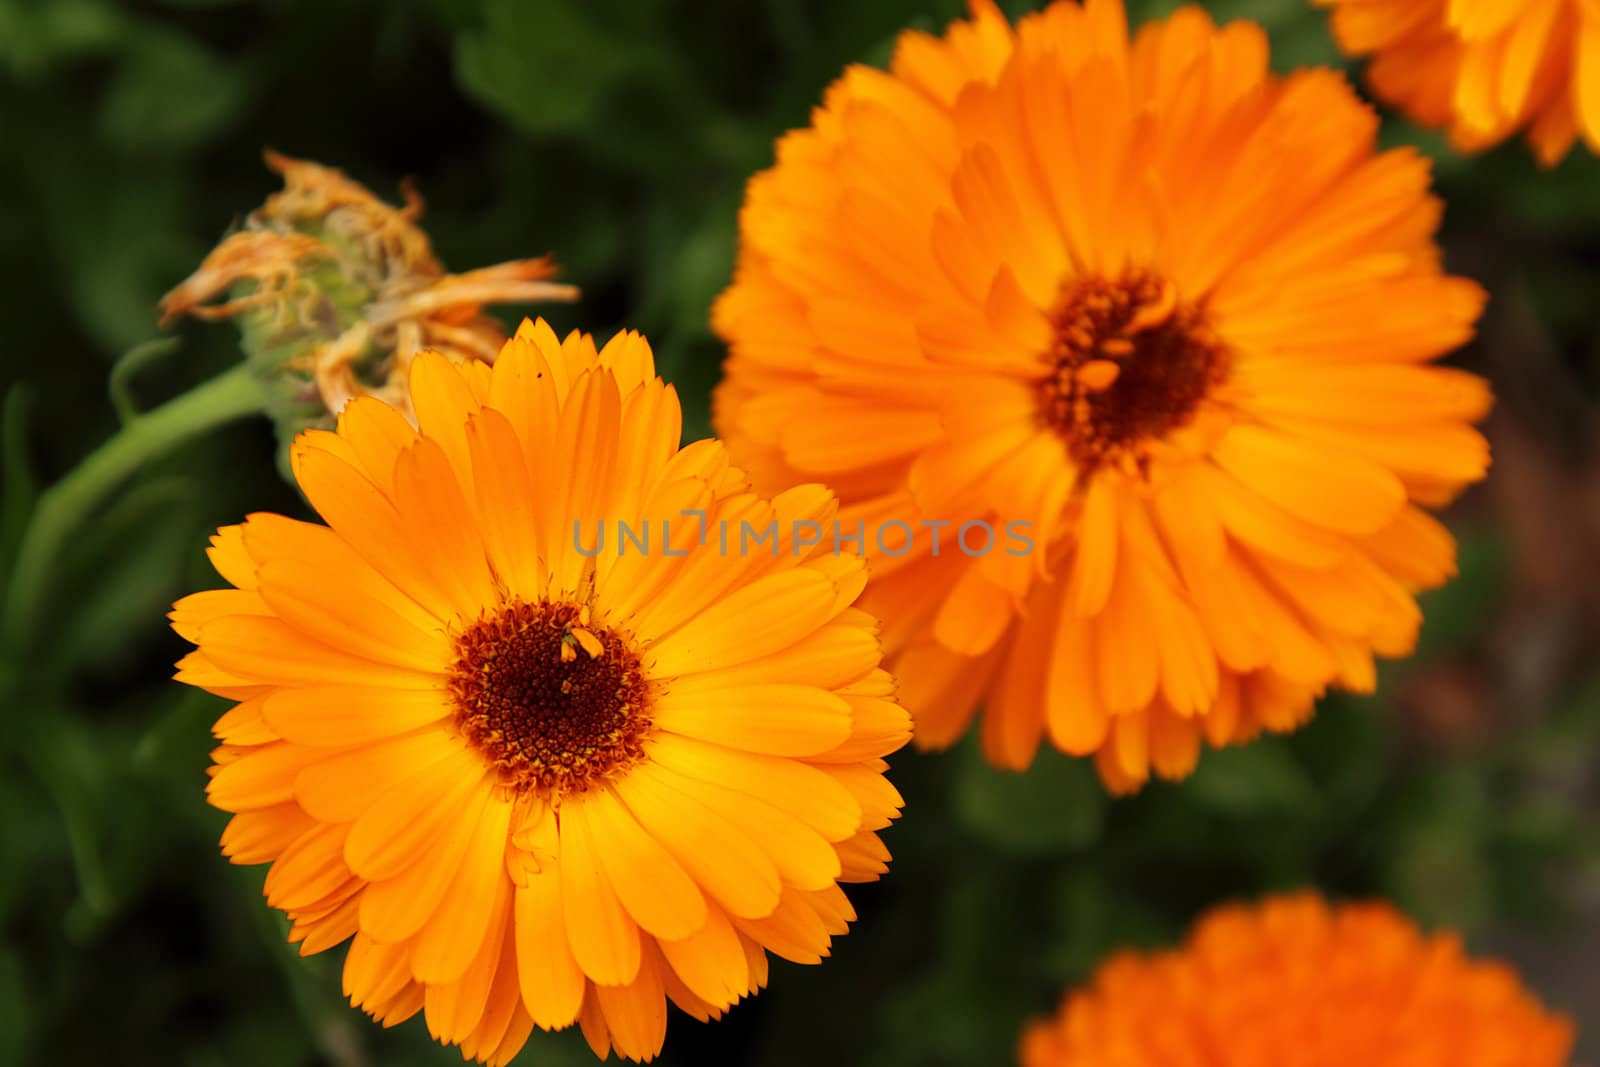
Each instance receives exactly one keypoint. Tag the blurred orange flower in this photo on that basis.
(1169, 311)
(541, 784)
(1296, 982)
(1485, 69)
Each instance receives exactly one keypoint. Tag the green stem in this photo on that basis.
(231, 395)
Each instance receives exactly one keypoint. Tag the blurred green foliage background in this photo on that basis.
(618, 134)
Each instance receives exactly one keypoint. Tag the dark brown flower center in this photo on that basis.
(1131, 364)
(552, 702)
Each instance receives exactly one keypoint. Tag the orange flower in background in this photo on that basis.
(1484, 69)
(1296, 982)
(540, 783)
(1172, 314)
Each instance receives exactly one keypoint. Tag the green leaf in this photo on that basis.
(1259, 779)
(1440, 871)
(18, 490)
(179, 736)
(37, 36)
(546, 65)
(32, 833)
(16, 1013)
(1298, 31)
(120, 244)
(1096, 920)
(170, 93)
(131, 362)
(136, 552)
(66, 762)
(1056, 805)
(1454, 613)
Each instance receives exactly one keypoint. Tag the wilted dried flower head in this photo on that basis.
(336, 291)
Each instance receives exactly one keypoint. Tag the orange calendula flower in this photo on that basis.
(336, 291)
(1296, 982)
(541, 779)
(1136, 338)
(1484, 69)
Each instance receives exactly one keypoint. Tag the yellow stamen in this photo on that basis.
(1097, 375)
(1152, 315)
(591, 644)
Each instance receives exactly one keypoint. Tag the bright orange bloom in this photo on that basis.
(1486, 69)
(542, 784)
(1296, 982)
(1171, 314)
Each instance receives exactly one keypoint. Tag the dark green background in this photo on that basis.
(618, 134)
